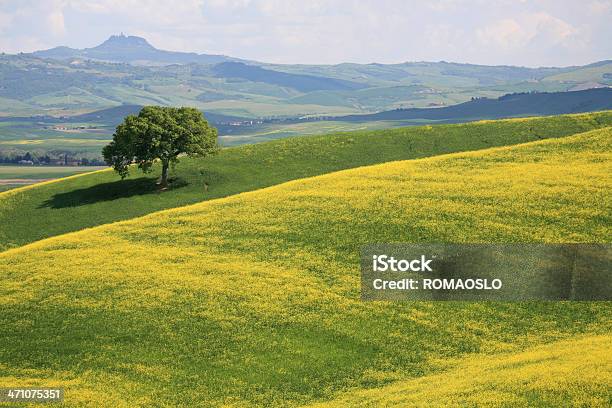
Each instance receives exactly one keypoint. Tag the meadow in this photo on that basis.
(35, 137)
(82, 136)
(54, 208)
(42, 172)
(272, 131)
(553, 375)
(16, 176)
(53, 85)
(253, 299)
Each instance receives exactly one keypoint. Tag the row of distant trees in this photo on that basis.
(508, 95)
(157, 134)
(54, 158)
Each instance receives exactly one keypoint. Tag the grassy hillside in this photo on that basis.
(512, 105)
(84, 135)
(98, 198)
(597, 72)
(254, 299)
(554, 375)
(302, 83)
(15, 176)
(75, 81)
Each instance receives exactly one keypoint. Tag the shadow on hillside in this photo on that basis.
(109, 191)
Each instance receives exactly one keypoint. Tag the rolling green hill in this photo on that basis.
(253, 300)
(251, 101)
(597, 72)
(18, 176)
(128, 70)
(299, 82)
(545, 376)
(507, 106)
(71, 204)
(82, 136)
(131, 49)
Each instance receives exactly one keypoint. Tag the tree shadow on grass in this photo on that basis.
(110, 191)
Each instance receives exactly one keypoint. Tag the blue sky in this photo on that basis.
(529, 33)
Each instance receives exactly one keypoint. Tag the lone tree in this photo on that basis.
(161, 133)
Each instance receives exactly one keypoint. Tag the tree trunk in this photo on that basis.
(163, 183)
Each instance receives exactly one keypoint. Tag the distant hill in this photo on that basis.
(128, 70)
(133, 50)
(300, 82)
(113, 116)
(98, 198)
(597, 72)
(511, 105)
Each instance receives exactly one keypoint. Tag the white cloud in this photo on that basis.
(5, 21)
(291, 8)
(55, 20)
(529, 32)
(160, 12)
(443, 5)
(555, 28)
(506, 33)
(231, 4)
(18, 44)
(600, 7)
(519, 32)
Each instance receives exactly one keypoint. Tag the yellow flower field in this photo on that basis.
(562, 373)
(253, 300)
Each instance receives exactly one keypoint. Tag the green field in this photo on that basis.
(84, 136)
(33, 85)
(553, 375)
(17, 176)
(56, 208)
(42, 172)
(253, 299)
(273, 131)
(19, 136)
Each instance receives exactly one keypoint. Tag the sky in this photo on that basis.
(502, 32)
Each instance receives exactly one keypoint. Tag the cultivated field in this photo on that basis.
(70, 205)
(550, 375)
(17, 176)
(253, 299)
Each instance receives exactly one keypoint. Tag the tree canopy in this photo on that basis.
(159, 133)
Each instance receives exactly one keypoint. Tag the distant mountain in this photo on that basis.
(131, 50)
(115, 115)
(511, 105)
(300, 82)
(130, 71)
